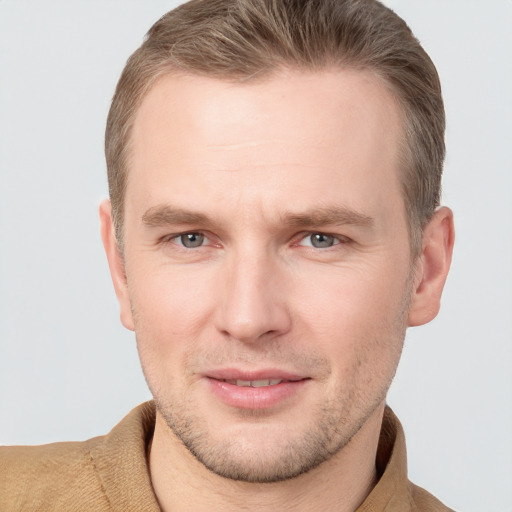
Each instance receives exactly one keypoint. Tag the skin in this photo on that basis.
(259, 173)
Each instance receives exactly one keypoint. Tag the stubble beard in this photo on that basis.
(332, 431)
(334, 424)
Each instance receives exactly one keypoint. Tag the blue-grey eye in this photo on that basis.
(191, 240)
(321, 241)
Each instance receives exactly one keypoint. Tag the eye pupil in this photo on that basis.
(320, 241)
(191, 240)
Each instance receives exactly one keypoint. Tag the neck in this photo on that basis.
(181, 483)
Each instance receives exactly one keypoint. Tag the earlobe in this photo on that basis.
(432, 267)
(115, 263)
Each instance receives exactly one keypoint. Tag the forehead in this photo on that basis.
(295, 134)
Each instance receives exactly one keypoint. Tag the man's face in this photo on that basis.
(268, 264)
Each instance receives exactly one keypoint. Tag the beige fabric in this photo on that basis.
(107, 473)
(110, 473)
(394, 492)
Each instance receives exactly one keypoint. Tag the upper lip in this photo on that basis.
(250, 375)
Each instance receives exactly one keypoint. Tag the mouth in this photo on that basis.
(255, 390)
(260, 383)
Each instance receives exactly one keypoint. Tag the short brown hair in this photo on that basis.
(248, 39)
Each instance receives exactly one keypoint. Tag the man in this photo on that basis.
(273, 228)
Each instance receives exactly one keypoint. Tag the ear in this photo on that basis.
(432, 267)
(116, 263)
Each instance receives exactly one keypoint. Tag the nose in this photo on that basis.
(252, 306)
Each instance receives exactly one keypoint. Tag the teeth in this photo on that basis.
(255, 383)
(265, 382)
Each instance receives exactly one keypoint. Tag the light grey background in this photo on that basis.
(68, 370)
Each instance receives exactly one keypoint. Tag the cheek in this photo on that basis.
(170, 309)
(357, 319)
(355, 299)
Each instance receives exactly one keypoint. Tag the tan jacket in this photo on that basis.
(110, 473)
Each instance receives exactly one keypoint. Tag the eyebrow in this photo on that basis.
(331, 215)
(166, 215)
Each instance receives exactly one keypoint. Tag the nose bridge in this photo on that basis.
(253, 304)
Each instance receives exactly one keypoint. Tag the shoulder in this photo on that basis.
(423, 501)
(103, 473)
(56, 476)
(394, 491)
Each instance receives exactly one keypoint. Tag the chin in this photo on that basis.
(260, 450)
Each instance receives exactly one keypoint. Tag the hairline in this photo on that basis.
(405, 156)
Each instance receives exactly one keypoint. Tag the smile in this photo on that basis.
(258, 392)
(255, 383)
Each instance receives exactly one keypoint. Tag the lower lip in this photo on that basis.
(246, 397)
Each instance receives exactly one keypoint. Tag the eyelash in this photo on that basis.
(338, 239)
(173, 239)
